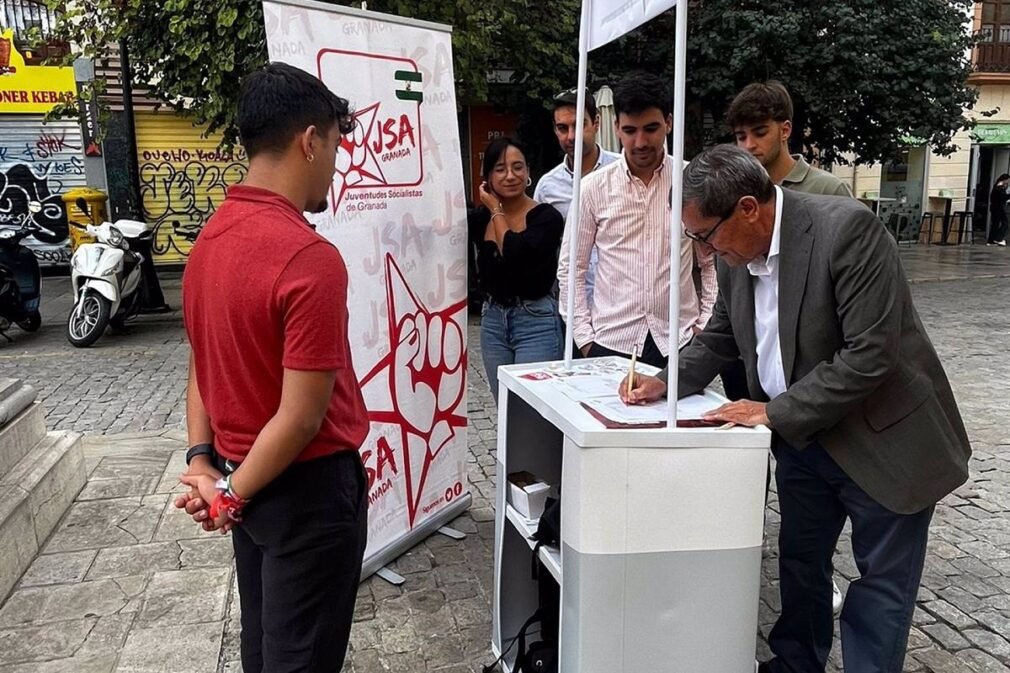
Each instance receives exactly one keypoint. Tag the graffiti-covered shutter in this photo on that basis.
(38, 162)
(183, 178)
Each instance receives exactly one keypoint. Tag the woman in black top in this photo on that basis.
(997, 210)
(517, 243)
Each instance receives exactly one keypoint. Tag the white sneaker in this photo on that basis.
(1003, 243)
(836, 598)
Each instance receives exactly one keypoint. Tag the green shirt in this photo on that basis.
(805, 178)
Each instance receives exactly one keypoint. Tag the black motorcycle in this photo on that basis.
(20, 281)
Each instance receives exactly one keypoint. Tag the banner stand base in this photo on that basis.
(452, 533)
(393, 578)
(376, 563)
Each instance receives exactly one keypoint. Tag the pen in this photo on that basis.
(631, 371)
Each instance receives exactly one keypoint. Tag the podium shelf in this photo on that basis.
(551, 556)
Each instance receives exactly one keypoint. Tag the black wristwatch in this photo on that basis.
(199, 450)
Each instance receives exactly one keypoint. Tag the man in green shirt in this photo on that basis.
(761, 118)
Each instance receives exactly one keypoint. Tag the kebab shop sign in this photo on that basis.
(31, 89)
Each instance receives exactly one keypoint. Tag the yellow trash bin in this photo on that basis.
(95, 198)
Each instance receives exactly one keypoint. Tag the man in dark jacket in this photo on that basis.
(813, 299)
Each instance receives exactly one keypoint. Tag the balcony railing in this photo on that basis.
(25, 15)
(992, 57)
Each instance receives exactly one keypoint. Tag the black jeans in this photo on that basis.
(650, 354)
(298, 554)
(997, 225)
(815, 497)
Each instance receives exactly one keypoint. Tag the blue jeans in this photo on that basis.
(530, 331)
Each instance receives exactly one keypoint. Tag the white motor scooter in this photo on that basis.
(106, 279)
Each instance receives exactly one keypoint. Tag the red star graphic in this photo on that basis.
(425, 397)
(369, 169)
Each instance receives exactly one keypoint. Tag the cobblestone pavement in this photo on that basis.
(127, 584)
(124, 383)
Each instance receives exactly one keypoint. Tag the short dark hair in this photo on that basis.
(570, 98)
(1005, 176)
(495, 151)
(759, 102)
(719, 177)
(279, 101)
(639, 91)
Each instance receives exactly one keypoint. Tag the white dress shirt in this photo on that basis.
(628, 222)
(771, 373)
(555, 186)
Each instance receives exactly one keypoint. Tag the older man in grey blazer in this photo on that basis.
(812, 297)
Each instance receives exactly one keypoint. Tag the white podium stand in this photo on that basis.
(660, 555)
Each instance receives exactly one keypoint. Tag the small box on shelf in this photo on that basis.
(527, 494)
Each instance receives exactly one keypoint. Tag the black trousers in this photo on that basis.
(298, 554)
(815, 497)
(997, 225)
(650, 354)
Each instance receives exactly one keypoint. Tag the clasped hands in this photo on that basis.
(646, 389)
(202, 482)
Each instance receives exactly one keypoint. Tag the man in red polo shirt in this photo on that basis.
(274, 412)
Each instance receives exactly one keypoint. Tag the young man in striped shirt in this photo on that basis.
(625, 214)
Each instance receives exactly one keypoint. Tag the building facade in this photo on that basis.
(40, 160)
(922, 182)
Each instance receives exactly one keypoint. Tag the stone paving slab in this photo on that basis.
(190, 596)
(60, 568)
(188, 647)
(127, 583)
(135, 560)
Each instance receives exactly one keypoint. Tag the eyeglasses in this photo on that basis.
(704, 238)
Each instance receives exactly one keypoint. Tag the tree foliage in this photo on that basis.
(193, 54)
(864, 74)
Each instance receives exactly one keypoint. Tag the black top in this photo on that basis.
(528, 264)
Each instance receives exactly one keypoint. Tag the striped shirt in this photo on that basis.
(556, 187)
(629, 224)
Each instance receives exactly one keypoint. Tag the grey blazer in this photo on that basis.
(863, 378)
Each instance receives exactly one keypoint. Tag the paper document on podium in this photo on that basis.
(583, 388)
(612, 412)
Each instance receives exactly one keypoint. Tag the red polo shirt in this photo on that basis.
(263, 292)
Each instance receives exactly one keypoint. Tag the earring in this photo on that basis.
(529, 182)
(310, 158)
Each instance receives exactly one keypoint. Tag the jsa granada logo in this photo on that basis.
(382, 158)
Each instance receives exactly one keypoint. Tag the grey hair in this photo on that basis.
(719, 177)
